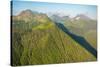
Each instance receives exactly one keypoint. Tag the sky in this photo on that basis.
(62, 9)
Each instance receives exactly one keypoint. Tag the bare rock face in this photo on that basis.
(29, 16)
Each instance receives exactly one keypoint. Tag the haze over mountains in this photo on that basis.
(41, 39)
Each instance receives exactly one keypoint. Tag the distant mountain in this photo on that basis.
(82, 17)
(82, 22)
(26, 13)
(56, 18)
(59, 19)
(66, 18)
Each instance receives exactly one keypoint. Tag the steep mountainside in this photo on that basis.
(82, 25)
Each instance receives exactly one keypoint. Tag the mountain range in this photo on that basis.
(41, 39)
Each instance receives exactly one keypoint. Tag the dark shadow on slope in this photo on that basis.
(78, 39)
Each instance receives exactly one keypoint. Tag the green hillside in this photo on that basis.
(91, 37)
(44, 43)
(85, 28)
